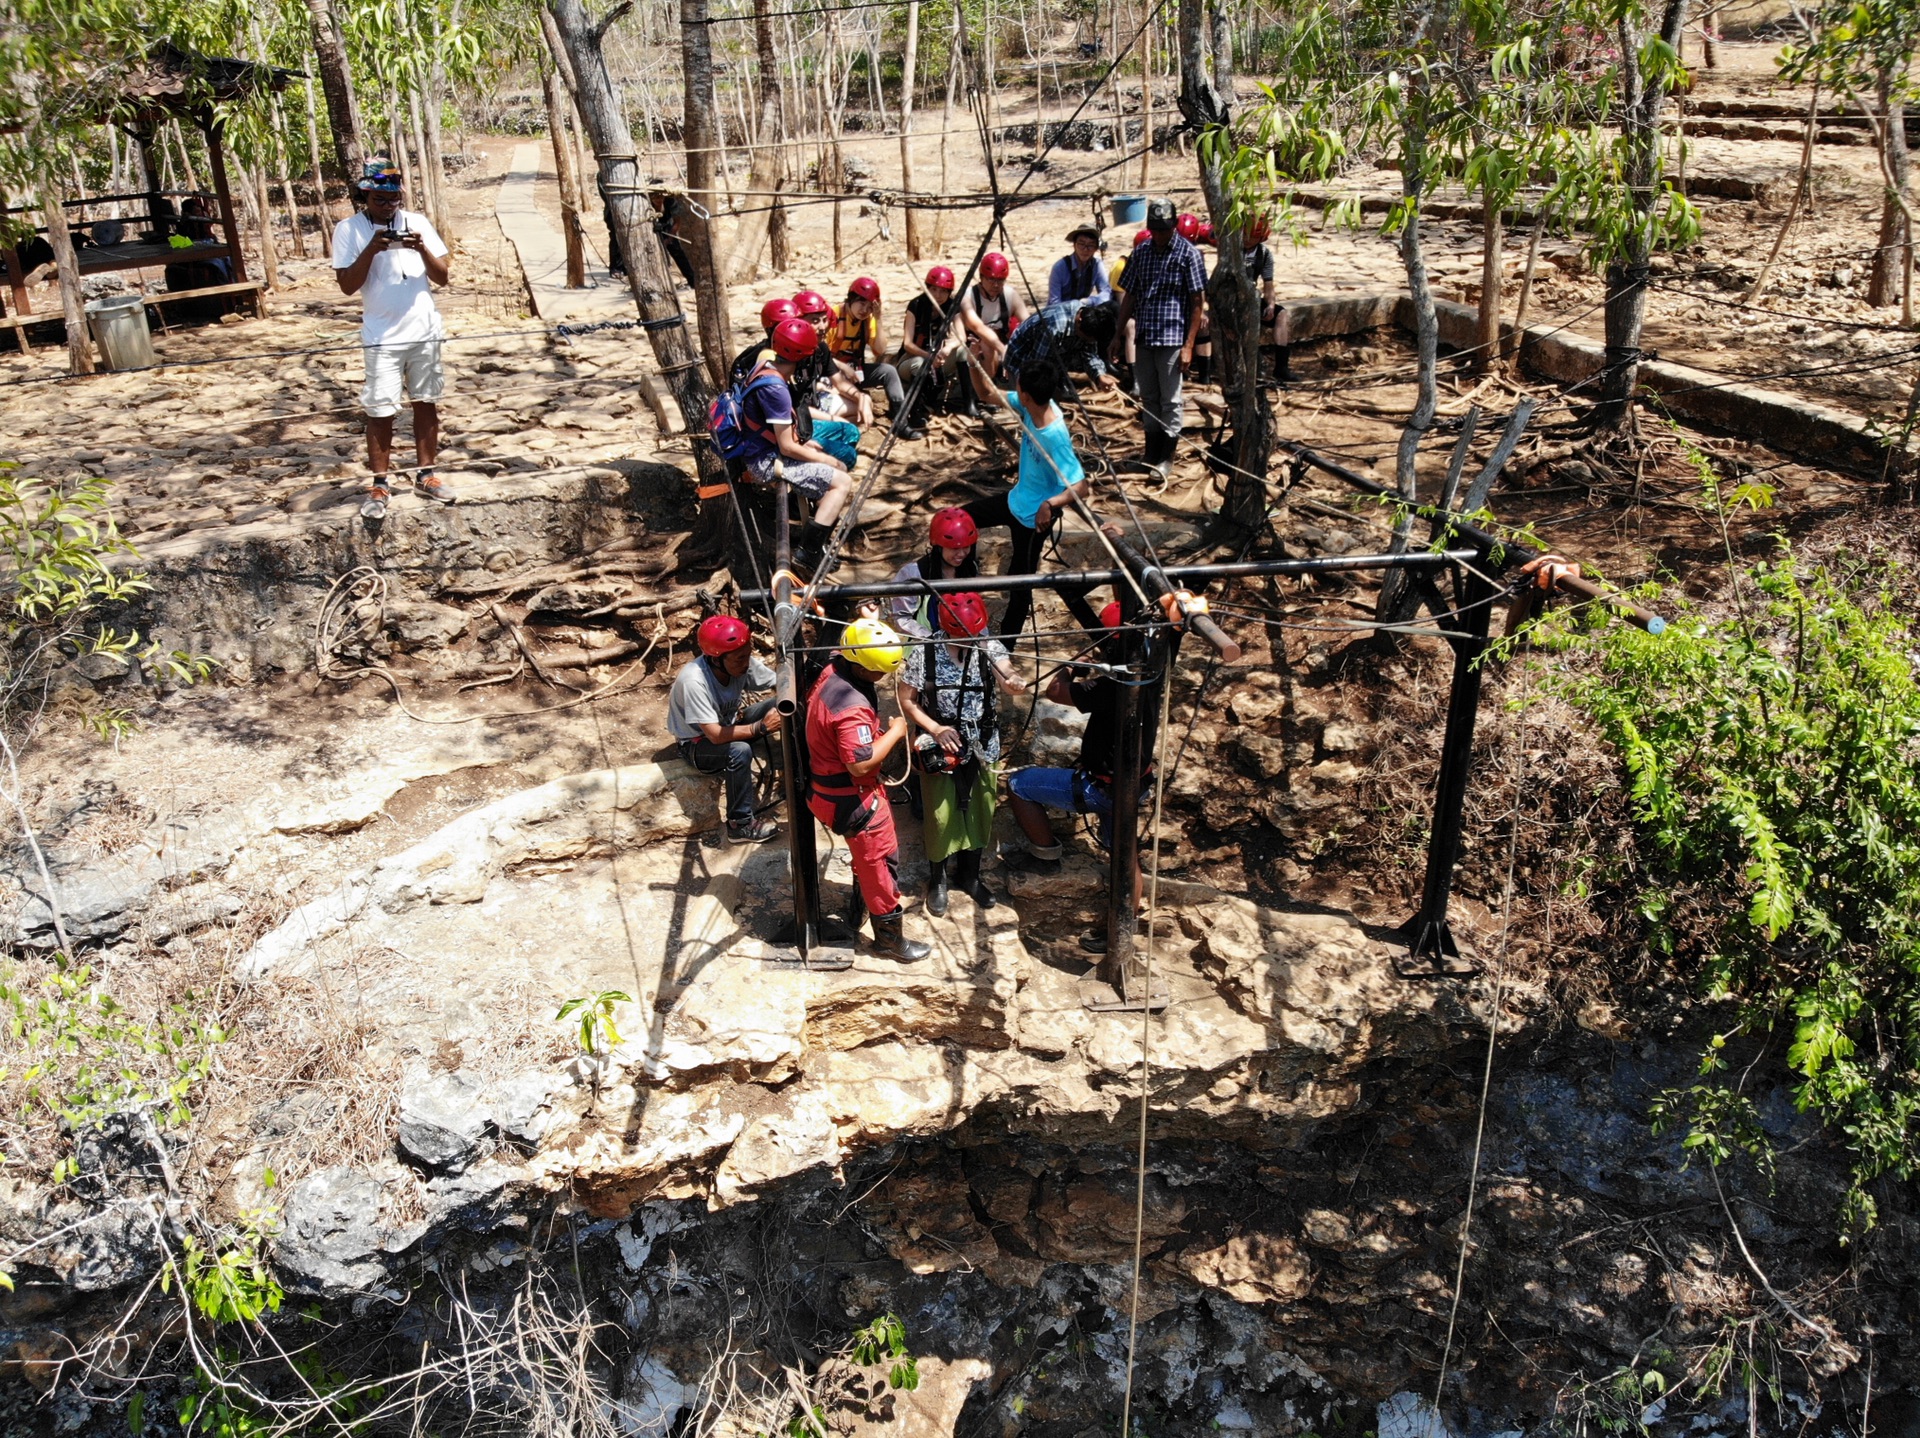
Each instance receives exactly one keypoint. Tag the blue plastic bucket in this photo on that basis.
(1129, 209)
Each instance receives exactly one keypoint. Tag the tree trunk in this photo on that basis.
(1395, 593)
(1641, 107)
(188, 179)
(269, 252)
(1493, 235)
(697, 134)
(319, 176)
(1511, 349)
(434, 159)
(429, 182)
(1231, 292)
(955, 51)
(1885, 283)
(569, 188)
(336, 80)
(769, 172)
(1146, 99)
(60, 238)
(653, 290)
(909, 59)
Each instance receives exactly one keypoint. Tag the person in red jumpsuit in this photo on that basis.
(845, 749)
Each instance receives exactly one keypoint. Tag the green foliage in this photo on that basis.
(885, 1341)
(229, 1281)
(59, 553)
(1856, 47)
(1614, 1404)
(1774, 759)
(76, 1055)
(598, 1035)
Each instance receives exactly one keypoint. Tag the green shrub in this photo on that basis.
(1774, 760)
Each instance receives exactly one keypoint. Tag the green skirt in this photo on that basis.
(949, 828)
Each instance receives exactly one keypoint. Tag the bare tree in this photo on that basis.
(769, 172)
(698, 132)
(1643, 101)
(909, 58)
(336, 82)
(653, 292)
(1231, 293)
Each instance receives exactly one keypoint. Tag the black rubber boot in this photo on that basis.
(890, 937)
(967, 875)
(807, 546)
(1283, 364)
(936, 887)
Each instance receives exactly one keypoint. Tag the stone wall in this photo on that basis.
(249, 594)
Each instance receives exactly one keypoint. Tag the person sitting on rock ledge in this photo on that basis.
(1087, 787)
(846, 747)
(768, 412)
(393, 258)
(714, 733)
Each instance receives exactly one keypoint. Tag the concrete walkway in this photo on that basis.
(543, 252)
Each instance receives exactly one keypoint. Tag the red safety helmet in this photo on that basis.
(939, 278)
(1140, 237)
(774, 311)
(795, 340)
(953, 528)
(808, 303)
(963, 615)
(1110, 616)
(722, 634)
(994, 266)
(1204, 234)
(864, 288)
(1189, 226)
(1258, 228)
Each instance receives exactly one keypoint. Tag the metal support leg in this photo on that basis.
(1121, 979)
(809, 930)
(1425, 946)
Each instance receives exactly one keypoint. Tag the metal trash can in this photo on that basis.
(120, 326)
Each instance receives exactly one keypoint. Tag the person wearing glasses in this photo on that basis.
(392, 258)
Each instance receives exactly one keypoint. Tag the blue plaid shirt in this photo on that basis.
(1050, 331)
(1160, 282)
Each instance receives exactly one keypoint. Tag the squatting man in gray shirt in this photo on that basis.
(715, 733)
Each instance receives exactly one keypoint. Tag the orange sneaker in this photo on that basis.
(429, 485)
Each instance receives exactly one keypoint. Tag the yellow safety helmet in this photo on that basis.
(872, 645)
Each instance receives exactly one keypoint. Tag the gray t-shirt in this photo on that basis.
(702, 694)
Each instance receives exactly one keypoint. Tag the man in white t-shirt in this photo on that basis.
(392, 258)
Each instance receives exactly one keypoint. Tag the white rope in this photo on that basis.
(1480, 1125)
(1146, 1034)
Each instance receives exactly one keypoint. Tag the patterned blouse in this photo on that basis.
(959, 694)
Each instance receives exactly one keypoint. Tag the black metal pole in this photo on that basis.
(1427, 933)
(1124, 856)
(802, 857)
(1093, 578)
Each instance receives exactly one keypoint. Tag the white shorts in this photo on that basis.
(413, 369)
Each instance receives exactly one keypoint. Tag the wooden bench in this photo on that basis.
(255, 288)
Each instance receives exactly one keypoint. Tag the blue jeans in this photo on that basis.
(839, 438)
(735, 761)
(1069, 791)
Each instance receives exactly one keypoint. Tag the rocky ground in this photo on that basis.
(386, 912)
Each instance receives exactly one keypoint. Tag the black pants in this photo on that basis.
(1025, 559)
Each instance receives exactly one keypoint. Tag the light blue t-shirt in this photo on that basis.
(1037, 480)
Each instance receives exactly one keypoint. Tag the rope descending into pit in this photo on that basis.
(355, 613)
(1146, 1034)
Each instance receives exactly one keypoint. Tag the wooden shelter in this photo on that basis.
(170, 84)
